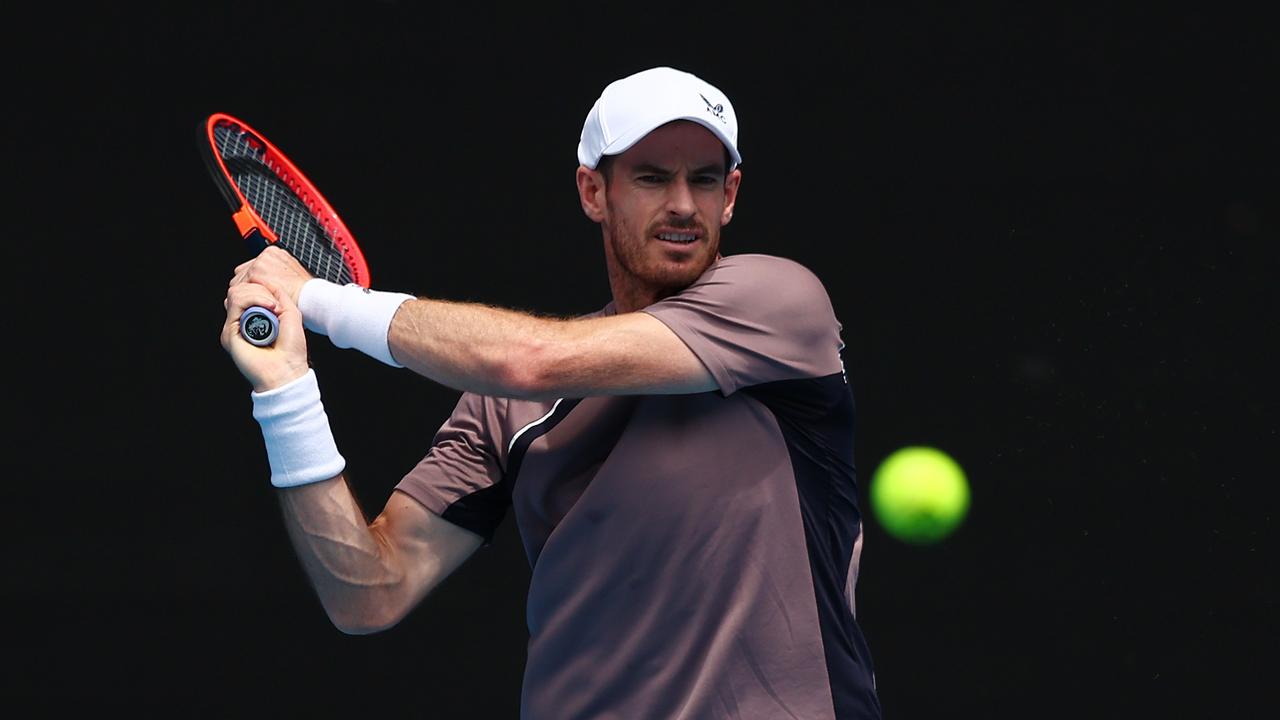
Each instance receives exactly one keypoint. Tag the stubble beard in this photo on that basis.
(640, 271)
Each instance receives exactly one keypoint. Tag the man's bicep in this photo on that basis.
(627, 354)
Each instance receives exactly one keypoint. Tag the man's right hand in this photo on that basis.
(275, 268)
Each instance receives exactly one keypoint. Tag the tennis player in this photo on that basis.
(679, 462)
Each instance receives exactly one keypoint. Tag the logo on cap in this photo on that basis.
(717, 109)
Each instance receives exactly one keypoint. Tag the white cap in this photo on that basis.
(632, 107)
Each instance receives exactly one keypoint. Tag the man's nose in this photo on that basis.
(680, 198)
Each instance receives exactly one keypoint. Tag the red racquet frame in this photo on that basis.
(251, 225)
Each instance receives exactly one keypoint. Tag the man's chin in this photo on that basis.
(676, 276)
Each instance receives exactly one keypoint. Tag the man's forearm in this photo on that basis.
(473, 347)
(341, 555)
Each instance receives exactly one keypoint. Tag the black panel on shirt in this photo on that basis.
(816, 416)
(482, 511)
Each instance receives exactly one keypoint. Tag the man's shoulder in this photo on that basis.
(762, 262)
(776, 270)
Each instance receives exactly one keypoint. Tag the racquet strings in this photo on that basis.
(287, 214)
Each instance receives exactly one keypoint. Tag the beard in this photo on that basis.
(642, 262)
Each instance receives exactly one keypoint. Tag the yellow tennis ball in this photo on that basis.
(919, 494)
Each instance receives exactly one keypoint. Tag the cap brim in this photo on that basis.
(636, 134)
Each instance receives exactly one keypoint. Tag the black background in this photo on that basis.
(1048, 230)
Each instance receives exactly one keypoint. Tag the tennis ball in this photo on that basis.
(919, 494)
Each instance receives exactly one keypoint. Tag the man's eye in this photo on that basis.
(650, 178)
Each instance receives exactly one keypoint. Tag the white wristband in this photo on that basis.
(300, 445)
(352, 316)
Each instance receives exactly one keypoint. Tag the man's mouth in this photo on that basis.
(681, 238)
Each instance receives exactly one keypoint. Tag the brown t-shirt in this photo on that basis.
(693, 556)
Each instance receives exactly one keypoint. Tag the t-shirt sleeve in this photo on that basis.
(754, 319)
(461, 477)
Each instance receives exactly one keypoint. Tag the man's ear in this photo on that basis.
(731, 184)
(591, 192)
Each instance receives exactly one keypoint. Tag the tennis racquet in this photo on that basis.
(272, 202)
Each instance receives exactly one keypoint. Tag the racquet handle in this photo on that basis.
(259, 326)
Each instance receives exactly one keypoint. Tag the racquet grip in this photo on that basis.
(259, 326)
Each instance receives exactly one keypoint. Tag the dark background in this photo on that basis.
(1049, 233)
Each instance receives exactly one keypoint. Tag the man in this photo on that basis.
(679, 463)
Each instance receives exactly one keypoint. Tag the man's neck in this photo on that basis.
(629, 296)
